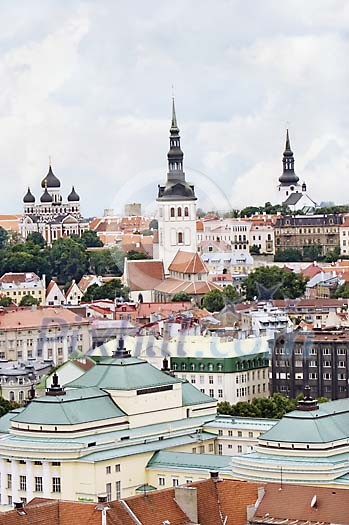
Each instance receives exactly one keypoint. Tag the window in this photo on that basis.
(108, 491)
(230, 433)
(175, 482)
(326, 375)
(180, 238)
(312, 375)
(37, 462)
(9, 499)
(220, 392)
(210, 447)
(161, 481)
(56, 485)
(202, 380)
(9, 481)
(108, 469)
(38, 484)
(210, 380)
(220, 449)
(239, 449)
(250, 434)
(192, 380)
(313, 364)
(239, 433)
(179, 212)
(202, 449)
(326, 351)
(193, 450)
(172, 212)
(211, 392)
(186, 211)
(118, 489)
(22, 482)
(56, 463)
(117, 467)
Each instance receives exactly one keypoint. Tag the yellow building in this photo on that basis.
(15, 286)
(99, 435)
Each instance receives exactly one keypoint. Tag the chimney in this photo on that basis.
(103, 507)
(214, 475)
(187, 499)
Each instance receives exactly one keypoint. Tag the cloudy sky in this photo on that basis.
(89, 83)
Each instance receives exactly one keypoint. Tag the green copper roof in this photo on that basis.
(123, 374)
(146, 488)
(76, 407)
(327, 424)
(193, 396)
(5, 420)
(187, 460)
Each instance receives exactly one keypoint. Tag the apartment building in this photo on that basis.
(42, 333)
(18, 285)
(304, 231)
(318, 358)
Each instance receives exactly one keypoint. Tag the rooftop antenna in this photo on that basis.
(280, 478)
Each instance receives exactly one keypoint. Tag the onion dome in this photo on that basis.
(46, 197)
(73, 196)
(29, 197)
(50, 180)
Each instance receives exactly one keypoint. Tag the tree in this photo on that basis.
(69, 260)
(153, 225)
(89, 239)
(101, 262)
(6, 406)
(133, 255)
(119, 258)
(181, 297)
(333, 255)
(28, 300)
(271, 282)
(312, 252)
(342, 291)
(5, 301)
(110, 290)
(36, 238)
(3, 237)
(213, 301)
(231, 293)
(288, 255)
(255, 250)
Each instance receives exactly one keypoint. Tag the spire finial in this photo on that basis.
(49, 161)
(174, 117)
(288, 145)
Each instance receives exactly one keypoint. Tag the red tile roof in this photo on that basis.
(144, 274)
(144, 310)
(22, 318)
(172, 286)
(188, 262)
(293, 502)
(18, 278)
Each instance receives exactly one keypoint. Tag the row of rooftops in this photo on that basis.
(213, 501)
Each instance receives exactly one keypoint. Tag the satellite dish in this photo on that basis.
(313, 502)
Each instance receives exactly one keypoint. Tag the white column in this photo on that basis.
(30, 481)
(15, 481)
(3, 481)
(46, 479)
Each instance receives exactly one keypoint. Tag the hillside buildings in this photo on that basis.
(52, 217)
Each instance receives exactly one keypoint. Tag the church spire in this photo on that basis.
(288, 176)
(175, 155)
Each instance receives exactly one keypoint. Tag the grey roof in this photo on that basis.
(193, 396)
(76, 407)
(51, 181)
(327, 424)
(190, 461)
(128, 373)
(293, 199)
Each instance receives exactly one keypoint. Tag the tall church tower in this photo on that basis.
(289, 182)
(176, 204)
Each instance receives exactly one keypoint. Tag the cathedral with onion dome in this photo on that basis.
(52, 217)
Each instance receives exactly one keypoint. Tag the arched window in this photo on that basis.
(12, 396)
(192, 367)
(184, 366)
(219, 367)
(20, 396)
(202, 366)
(180, 238)
(179, 212)
(186, 211)
(172, 212)
(210, 367)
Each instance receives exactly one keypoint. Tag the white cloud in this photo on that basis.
(89, 83)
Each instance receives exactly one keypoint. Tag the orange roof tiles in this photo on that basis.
(41, 317)
(171, 286)
(144, 310)
(293, 502)
(144, 274)
(18, 278)
(157, 507)
(187, 262)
